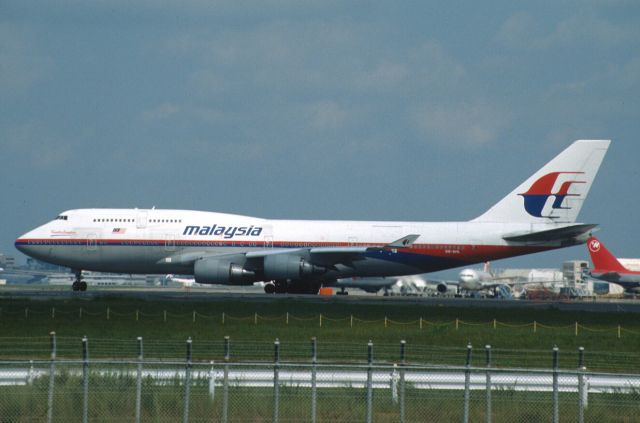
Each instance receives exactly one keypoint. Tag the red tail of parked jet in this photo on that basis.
(606, 267)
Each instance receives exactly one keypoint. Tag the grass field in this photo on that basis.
(431, 333)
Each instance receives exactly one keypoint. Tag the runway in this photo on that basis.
(256, 295)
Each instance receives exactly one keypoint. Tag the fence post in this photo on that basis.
(164, 313)
(287, 317)
(223, 317)
(212, 382)
(85, 379)
(53, 312)
(467, 383)
(487, 350)
(369, 382)
(187, 382)
(255, 318)
(583, 392)
(457, 324)
(139, 380)
(556, 411)
(225, 385)
(276, 379)
(403, 362)
(314, 388)
(52, 377)
(108, 312)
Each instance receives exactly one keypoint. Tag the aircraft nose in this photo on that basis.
(21, 244)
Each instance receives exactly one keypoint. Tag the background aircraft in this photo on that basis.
(608, 268)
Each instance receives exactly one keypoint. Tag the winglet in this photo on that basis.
(404, 242)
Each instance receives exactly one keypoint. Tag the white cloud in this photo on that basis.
(385, 75)
(524, 31)
(28, 143)
(465, 124)
(326, 115)
(160, 112)
(21, 65)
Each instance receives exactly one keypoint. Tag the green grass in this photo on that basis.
(514, 342)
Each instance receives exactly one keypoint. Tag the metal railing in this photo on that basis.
(184, 390)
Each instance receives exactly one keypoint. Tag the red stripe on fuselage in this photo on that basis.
(464, 252)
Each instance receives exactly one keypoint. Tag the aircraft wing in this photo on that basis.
(324, 256)
(559, 234)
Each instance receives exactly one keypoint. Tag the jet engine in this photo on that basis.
(442, 288)
(287, 266)
(223, 271)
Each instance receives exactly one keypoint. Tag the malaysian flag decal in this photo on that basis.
(119, 230)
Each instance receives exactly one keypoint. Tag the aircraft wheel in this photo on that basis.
(280, 286)
(269, 288)
(83, 286)
(75, 286)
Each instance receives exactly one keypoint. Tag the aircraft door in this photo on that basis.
(142, 218)
(170, 242)
(268, 236)
(92, 242)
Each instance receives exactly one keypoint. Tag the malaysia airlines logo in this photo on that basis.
(594, 246)
(224, 231)
(536, 197)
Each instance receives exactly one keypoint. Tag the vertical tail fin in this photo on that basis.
(556, 192)
(602, 259)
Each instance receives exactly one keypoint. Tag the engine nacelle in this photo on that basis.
(287, 266)
(224, 272)
(442, 288)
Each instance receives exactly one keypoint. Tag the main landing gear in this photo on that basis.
(79, 284)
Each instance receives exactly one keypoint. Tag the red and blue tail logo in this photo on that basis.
(536, 198)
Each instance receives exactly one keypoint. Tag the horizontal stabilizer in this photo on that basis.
(558, 234)
(610, 277)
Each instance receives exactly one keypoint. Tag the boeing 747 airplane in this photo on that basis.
(301, 255)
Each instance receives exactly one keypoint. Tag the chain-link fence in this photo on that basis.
(277, 391)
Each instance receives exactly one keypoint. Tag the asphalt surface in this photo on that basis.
(256, 295)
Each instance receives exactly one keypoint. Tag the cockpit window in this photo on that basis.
(61, 217)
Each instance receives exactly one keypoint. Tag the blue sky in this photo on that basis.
(315, 110)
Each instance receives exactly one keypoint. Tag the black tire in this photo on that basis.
(75, 286)
(83, 286)
(269, 288)
(281, 286)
